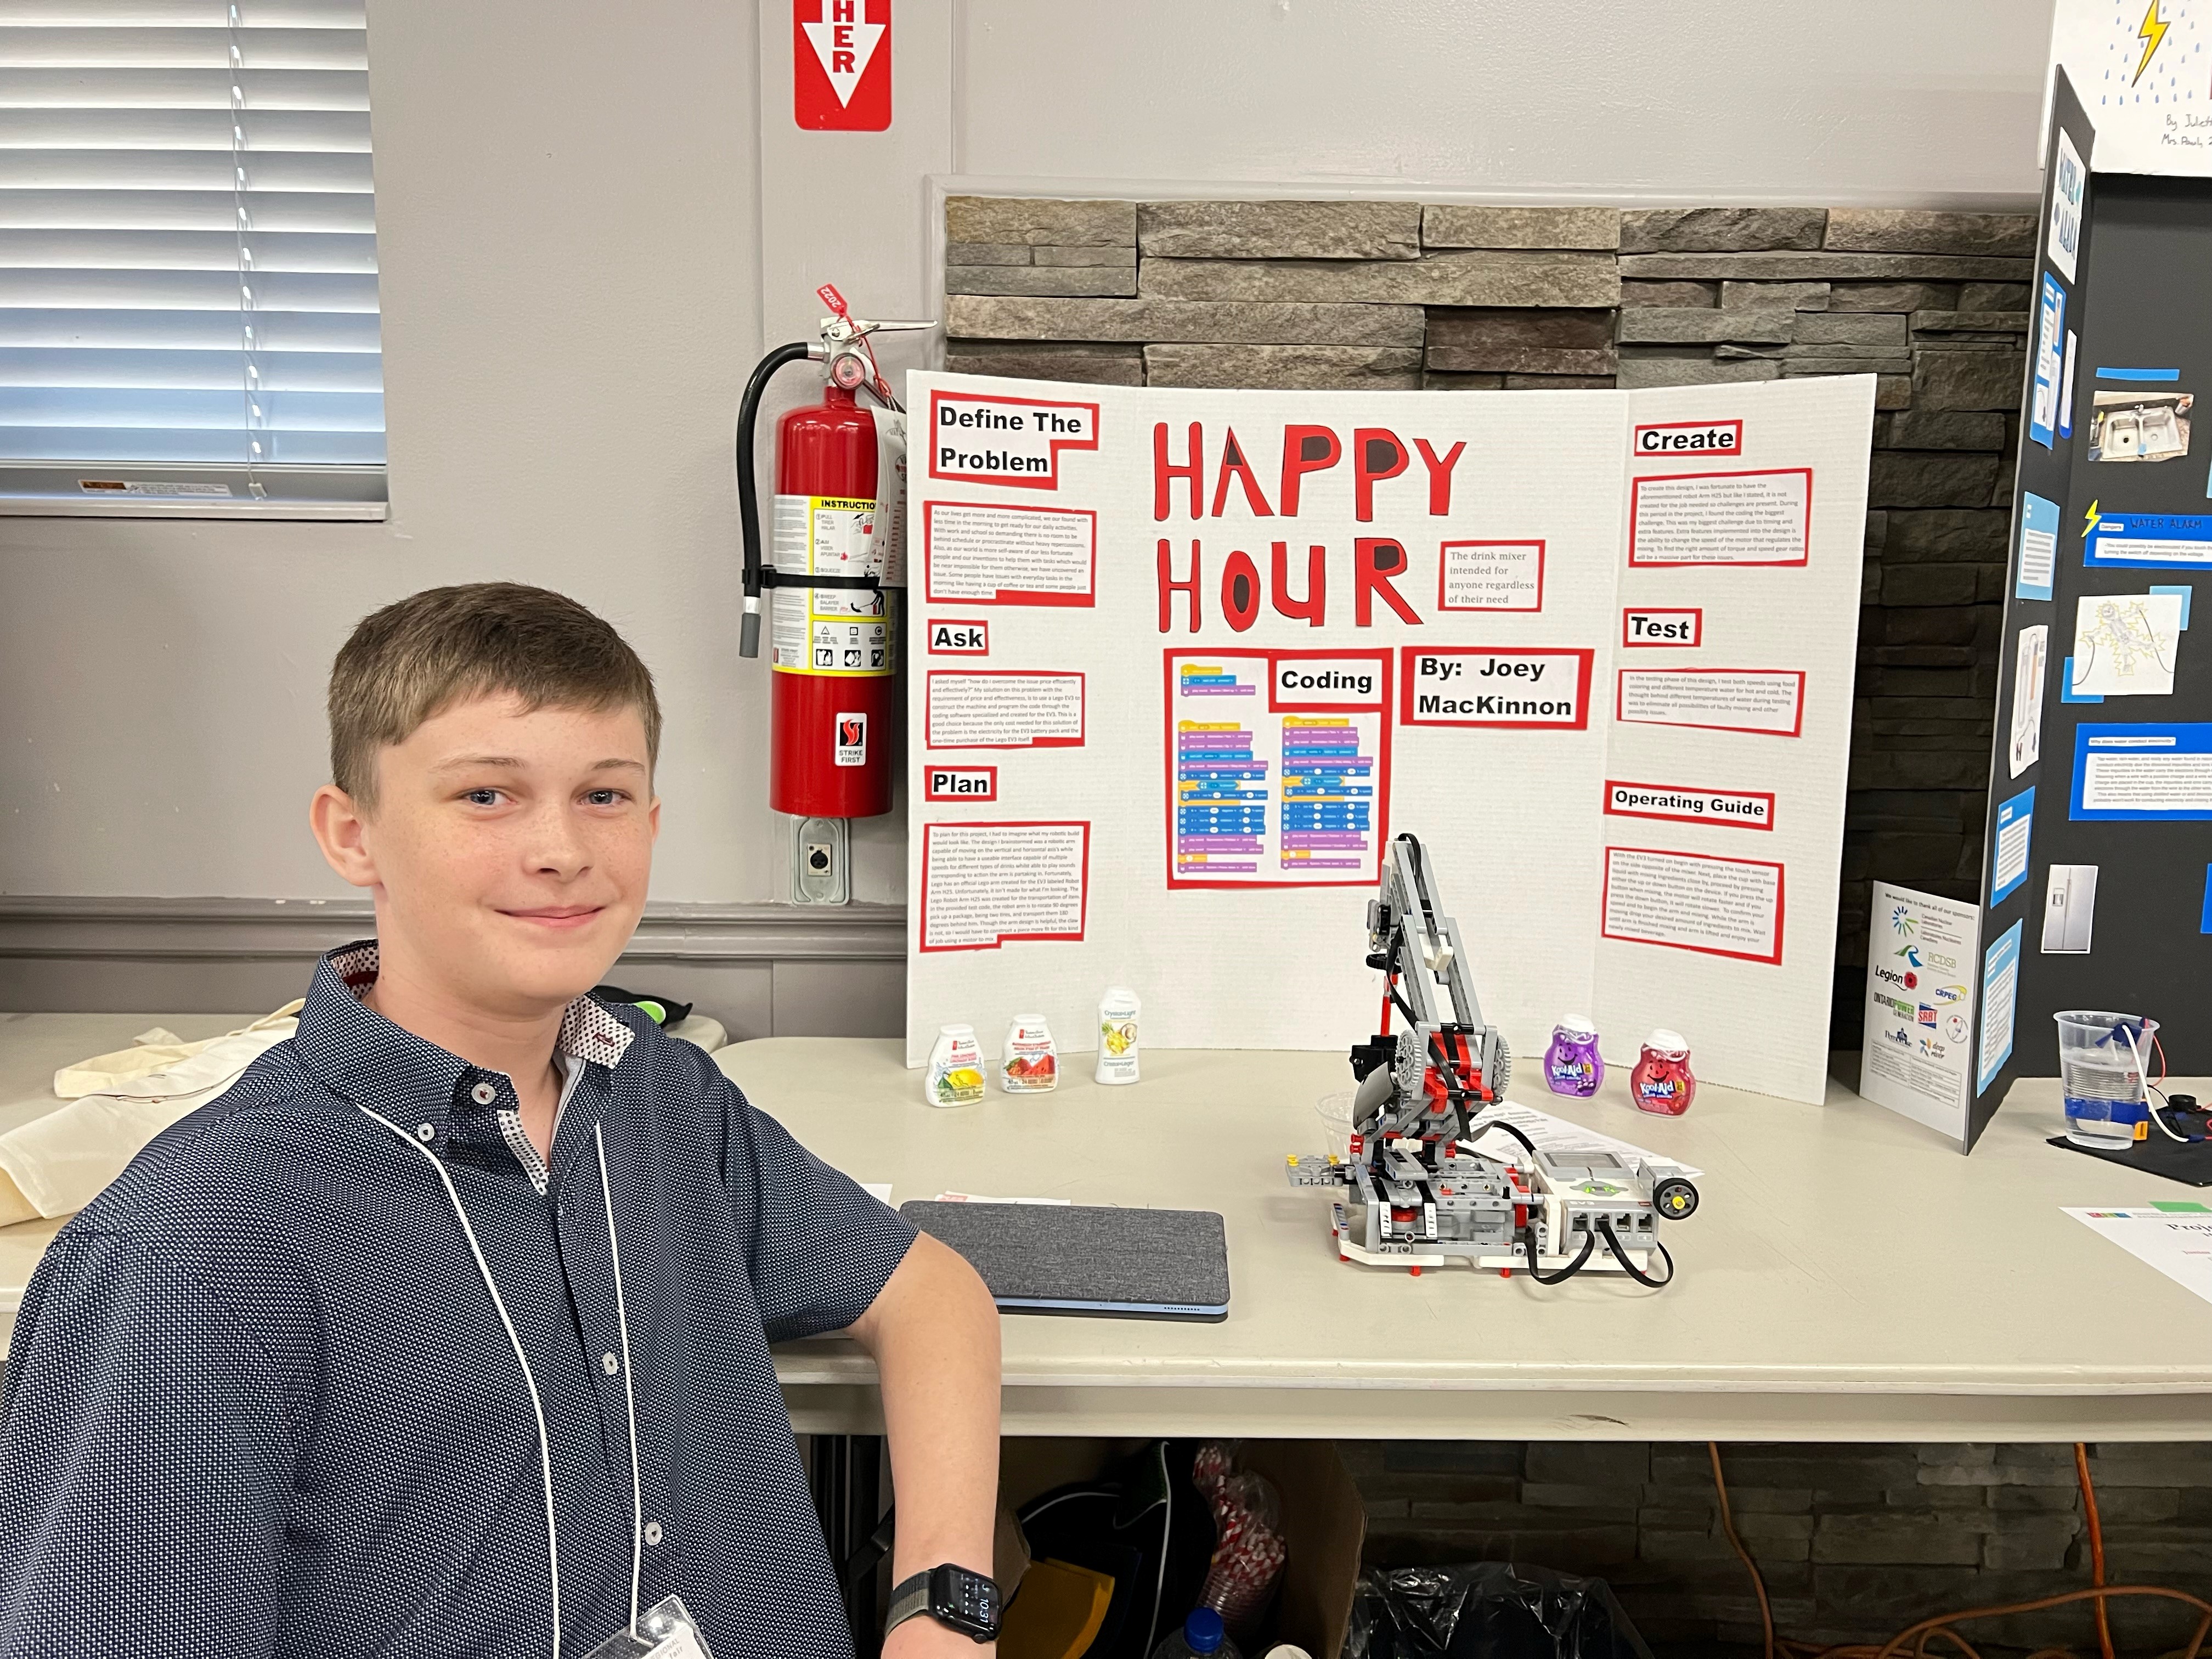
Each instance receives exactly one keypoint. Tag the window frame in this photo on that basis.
(201, 488)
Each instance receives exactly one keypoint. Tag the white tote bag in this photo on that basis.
(60, 1163)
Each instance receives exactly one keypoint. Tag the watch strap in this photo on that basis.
(908, 1597)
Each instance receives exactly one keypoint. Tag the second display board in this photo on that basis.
(1184, 659)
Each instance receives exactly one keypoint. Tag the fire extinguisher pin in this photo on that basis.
(852, 359)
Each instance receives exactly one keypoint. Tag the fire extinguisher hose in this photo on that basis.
(748, 487)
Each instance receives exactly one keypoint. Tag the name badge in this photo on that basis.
(664, 1631)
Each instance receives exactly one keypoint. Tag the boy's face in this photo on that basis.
(509, 850)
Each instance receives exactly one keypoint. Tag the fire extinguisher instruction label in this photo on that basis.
(890, 543)
(845, 631)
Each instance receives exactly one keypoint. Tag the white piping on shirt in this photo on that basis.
(629, 1394)
(530, 1382)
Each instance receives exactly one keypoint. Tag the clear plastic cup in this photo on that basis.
(1334, 1110)
(2101, 1074)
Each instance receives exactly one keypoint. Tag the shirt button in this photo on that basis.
(426, 1131)
(652, 1532)
(609, 1364)
(484, 1094)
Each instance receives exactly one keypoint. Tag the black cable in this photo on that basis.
(1441, 1062)
(1458, 1094)
(1421, 890)
(1528, 1243)
(1605, 1227)
(749, 488)
(1453, 1090)
(1428, 911)
(1475, 1133)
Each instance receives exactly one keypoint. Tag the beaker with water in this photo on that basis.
(2101, 1073)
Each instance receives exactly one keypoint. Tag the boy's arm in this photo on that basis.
(146, 1456)
(934, 1331)
(825, 1256)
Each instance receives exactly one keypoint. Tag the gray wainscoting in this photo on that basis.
(762, 969)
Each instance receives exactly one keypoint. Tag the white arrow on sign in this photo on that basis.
(844, 44)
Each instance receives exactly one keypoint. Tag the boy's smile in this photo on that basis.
(559, 915)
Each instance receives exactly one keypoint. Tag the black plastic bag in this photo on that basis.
(1488, 1610)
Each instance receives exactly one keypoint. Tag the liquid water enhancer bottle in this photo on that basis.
(1117, 1036)
(1029, 1066)
(955, 1076)
(1662, 1082)
(1572, 1066)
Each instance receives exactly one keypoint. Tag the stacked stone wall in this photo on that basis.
(1854, 1543)
(1450, 297)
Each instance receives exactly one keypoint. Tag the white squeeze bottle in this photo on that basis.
(955, 1076)
(1028, 1065)
(1117, 1036)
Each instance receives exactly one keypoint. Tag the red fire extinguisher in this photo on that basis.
(833, 580)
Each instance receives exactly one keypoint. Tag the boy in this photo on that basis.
(444, 1331)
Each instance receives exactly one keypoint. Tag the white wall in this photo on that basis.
(567, 229)
(1767, 101)
(586, 212)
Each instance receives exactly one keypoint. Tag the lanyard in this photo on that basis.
(530, 1382)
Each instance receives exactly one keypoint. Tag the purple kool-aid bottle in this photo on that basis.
(1572, 1067)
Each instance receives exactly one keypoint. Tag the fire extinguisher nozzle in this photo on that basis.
(749, 634)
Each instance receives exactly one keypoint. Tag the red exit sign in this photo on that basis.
(840, 54)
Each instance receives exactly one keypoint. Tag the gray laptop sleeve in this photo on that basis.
(1089, 1260)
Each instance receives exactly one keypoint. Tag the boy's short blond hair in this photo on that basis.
(417, 658)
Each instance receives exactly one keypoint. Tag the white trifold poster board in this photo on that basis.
(1922, 956)
(2142, 76)
(1182, 660)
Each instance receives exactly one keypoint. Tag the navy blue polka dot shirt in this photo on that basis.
(260, 1402)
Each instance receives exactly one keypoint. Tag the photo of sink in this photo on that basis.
(2136, 425)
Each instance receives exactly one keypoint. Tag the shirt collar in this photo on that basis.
(359, 1055)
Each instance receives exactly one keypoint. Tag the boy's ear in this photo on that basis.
(338, 823)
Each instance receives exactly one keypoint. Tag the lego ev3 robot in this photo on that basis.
(1430, 1179)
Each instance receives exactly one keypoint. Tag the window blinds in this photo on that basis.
(188, 315)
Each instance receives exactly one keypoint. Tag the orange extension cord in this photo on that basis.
(2096, 1540)
(1914, 1640)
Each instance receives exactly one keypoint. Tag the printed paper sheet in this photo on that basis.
(2174, 1237)
(1921, 951)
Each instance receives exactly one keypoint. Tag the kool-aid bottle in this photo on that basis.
(1571, 1065)
(1662, 1082)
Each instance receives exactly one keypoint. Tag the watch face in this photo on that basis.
(966, 1601)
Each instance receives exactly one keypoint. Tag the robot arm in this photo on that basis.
(1418, 944)
(1447, 1062)
(1418, 1188)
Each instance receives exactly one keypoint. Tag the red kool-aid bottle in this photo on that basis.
(1662, 1082)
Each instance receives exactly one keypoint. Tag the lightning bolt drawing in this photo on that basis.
(2152, 31)
(2092, 516)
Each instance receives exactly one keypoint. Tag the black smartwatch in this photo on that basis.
(957, 1598)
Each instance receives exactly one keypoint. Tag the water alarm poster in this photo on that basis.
(1186, 660)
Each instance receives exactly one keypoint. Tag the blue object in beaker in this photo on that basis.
(2101, 1073)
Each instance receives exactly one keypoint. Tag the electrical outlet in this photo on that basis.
(819, 861)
